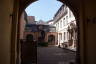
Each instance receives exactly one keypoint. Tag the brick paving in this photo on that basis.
(54, 55)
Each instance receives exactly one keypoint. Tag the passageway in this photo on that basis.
(54, 55)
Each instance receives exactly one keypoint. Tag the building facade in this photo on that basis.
(41, 31)
(65, 23)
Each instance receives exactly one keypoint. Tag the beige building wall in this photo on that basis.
(6, 8)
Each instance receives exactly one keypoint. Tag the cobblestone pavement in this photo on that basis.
(54, 55)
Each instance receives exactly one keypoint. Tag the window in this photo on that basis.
(64, 21)
(60, 36)
(64, 35)
(67, 36)
(61, 23)
(58, 25)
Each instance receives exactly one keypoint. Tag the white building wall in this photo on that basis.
(62, 27)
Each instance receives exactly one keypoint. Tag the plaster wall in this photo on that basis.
(22, 26)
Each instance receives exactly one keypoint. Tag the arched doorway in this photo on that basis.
(24, 3)
(51, 39)
(30, 36)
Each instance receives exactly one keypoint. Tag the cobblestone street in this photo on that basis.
(54, 55)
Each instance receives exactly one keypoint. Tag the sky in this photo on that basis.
(43, 9)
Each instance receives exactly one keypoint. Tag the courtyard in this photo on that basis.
(54, 55)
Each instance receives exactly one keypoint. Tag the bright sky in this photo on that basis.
(43, 9)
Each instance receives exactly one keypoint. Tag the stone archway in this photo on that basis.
(20, 5)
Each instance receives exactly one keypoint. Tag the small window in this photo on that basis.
(64, 21)
(64, 35)
(60, 36)
(61, 23)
